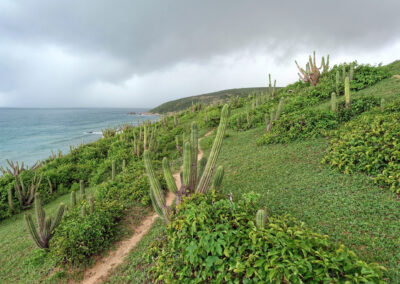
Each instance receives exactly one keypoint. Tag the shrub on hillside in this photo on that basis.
(370, 144)
(211, 239)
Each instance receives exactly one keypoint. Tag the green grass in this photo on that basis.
(134, 268)
(291, 179)
(22, 262)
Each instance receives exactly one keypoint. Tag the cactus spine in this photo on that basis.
(113, 170)
(219, 175)
(82, 189)
(333, 102)
(168, 176)
(46, 226)
(261, 218)
(205, 180)
(347, 92)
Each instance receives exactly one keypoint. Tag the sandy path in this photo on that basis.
(98, 273)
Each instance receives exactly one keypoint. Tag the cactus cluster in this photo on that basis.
(271, 90)
(312, 72)
(196, 176)
(24, 194)
(14, 168)
(42, 235)
(274, 115)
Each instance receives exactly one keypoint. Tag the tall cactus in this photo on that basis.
(168, 176)
(46, 226)
(337, 82)
(205, 180)
(156, 194)
(261, 218)
(270, 89)
(10, 199)
(187, 157)
(194, 148)
(200, 168)
(351, 74)
(347, 92)
(383, 105)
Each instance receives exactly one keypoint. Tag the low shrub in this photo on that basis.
(212, 239)
(370, 144)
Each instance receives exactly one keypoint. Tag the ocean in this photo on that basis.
(28, 135)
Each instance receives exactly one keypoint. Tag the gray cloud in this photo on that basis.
(114, 53)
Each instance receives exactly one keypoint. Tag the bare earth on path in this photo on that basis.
(99, 272)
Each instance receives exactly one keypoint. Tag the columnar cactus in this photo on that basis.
(312, 73)
(347, 92)
(271, 90)
(351, 74)
(156, 194)
(279, 109)
(205, 180)
(218, 177)
(51, 189)
(91, 203)
(194, 148)
(261, 218)
(46, 226)
(200, 168)
(73, 198)
(337, 82)
(82, 189)
(26, 196)
(333, 102)
(145, 138)
(113, 170)
(168, 176)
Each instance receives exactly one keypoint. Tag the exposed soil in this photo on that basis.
(98, 273)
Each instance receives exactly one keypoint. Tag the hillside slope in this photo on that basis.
(220, 96)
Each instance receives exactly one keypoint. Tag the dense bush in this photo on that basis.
(211, 239)
(313, 122)
(297, 125)
(370, 144)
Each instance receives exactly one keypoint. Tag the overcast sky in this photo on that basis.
(126, 53)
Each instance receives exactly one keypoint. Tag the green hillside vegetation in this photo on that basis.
(289, 203)
(206, 99)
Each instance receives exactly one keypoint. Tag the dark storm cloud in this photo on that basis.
(63, 47)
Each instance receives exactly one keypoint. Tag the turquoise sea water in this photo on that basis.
(29, 135)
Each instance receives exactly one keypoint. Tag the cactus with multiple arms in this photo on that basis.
(26, 196)
(73, 198)
(46, 226)
(270, 89)
(205, 176)
(312, 72)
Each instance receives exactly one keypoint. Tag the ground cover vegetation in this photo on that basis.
(131, 169)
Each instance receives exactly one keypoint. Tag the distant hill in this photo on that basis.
(181, 104)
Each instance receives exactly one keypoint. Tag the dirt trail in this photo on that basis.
(99, 272)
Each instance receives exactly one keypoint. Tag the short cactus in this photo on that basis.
(46, 226)
(261, 218)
